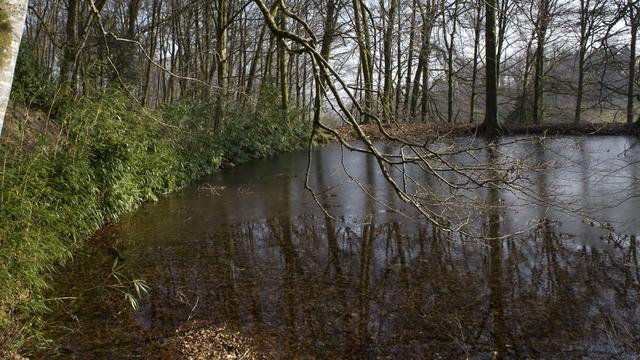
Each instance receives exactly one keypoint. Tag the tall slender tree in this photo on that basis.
(450, 16)
(388, 65)
(491, 124)
(361, 22)
(477, 27)
(221, 42)
(541, 26)
(633, 15)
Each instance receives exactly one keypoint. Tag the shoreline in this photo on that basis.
(425, 131)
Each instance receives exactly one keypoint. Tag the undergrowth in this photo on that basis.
(262, 131)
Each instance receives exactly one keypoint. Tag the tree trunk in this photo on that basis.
(152, 52)
(633, 17)
(364, 45)
(268, 62)
(449, 44)
(584, 7)
(69, 50)
(388, 40)
(282, 64)
(12, 15)
(503, 20)
(476, 52)
(491, 112)
(416, 88)
(398, 68)
(329, 30)
(254, 62)
(429, 19)
(221, 39)
(410, 57)
(538, 84)
(424, 98)
(525, 82)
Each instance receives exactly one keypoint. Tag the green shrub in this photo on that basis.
(251, 134)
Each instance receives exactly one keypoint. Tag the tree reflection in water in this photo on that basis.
(371, 283)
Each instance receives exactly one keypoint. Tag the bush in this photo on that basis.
(263, 132)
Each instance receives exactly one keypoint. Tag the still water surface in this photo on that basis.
(249, 248)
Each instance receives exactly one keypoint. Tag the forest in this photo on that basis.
(293, 179)
(408, 61)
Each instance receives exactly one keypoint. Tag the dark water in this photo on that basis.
(250, 249)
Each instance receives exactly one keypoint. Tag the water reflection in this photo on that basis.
(260, 257)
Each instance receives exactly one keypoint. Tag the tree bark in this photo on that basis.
(329, 29)
(254, 62)
(503, 20)
(12, 15)
(410, 57)
(388, 43)
(633, 20)
(429, 17)
(538, 81)
(491, 125)
(221, 39)
(282, 64)
(69, 50)
(449, 44)
(476, 53)
(364, 45)
(584, 8)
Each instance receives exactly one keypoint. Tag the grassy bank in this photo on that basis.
(63, 178)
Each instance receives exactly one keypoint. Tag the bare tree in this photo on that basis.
(388, 44)
(491, 107)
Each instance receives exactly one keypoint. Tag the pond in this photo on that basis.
(249, 249)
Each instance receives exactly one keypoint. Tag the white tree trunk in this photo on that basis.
(12, 15)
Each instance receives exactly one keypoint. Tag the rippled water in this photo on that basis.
(249, 248)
